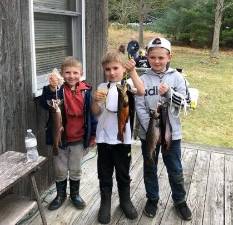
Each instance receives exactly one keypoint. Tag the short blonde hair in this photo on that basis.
(113, 56)
(71, 61)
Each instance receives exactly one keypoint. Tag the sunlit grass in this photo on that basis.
(212, 122)
(123, 36)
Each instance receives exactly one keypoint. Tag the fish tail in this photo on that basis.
(150, 158)
(55, 150)
(168, 134)
(151, 155)
(120, 137)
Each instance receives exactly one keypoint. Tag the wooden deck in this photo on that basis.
(208, 176)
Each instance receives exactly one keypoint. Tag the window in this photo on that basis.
(57, 30)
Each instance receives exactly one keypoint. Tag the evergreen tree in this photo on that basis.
(192, 22)
(189, 22)
(226, 38)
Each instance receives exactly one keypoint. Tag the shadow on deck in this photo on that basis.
(208, 174)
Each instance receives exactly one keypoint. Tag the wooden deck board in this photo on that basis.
(164, 194)
(228, 189)
(214, 203)
(197, 191)
(208, 177)
(139, 200)
(170, 217)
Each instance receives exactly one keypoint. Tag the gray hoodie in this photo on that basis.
(175, 97)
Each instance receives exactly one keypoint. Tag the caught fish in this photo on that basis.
(166, 129)
(123, 110)
(57, 123)
(153, 134)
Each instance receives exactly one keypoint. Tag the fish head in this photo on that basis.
(122, 89)
(154, 114)
(55, 104)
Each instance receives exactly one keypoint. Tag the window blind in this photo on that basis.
(53, 41)
(56, 4)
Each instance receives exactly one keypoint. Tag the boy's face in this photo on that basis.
(114, 71)
(158, 59)
(72, 75)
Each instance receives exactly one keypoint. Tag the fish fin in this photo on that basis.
(50, 103)
(55, 150)
(61, 101)
(120, 137)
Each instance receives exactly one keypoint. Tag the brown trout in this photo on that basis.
(166, 129)
(123, 110)
(57, 123)
(153, 134)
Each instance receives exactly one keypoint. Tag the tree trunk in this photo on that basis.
(141, 18)
(217, 26)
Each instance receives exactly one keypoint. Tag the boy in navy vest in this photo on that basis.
(78, 130)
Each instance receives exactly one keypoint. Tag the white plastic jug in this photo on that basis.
(194, 94)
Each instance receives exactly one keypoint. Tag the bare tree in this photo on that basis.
(124, 9)
(144, 8)
(141, 19)
(217, 26)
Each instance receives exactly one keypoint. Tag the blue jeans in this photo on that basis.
(172, 161)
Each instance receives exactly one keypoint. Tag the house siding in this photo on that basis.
(19, 110)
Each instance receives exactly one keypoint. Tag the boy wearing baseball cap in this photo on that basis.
(165, 92)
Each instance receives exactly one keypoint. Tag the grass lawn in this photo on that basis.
(212, 122)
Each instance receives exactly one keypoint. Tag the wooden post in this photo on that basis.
(42, 214)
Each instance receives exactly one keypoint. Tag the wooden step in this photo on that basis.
(13, 208)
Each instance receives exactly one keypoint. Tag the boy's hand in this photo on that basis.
(92, 142)
(53, 81)
(163, 88)
(100, 95)
(130, 66)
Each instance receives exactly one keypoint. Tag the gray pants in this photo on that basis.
(68, 160)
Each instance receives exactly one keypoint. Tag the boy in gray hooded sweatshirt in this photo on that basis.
(163, 85)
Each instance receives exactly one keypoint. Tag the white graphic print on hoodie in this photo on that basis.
(175, 97)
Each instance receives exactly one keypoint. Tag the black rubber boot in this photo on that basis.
(151, 208)
(61, 195)
(104, 215)
(74, 194)
(126, 204)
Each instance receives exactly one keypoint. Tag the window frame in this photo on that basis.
(75, 16)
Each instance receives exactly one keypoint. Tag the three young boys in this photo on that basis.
(169, 86)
